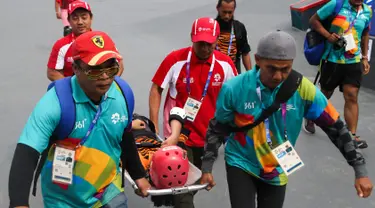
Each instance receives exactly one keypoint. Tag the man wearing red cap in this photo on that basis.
(60, 60)
(89, 175)
(194, 75)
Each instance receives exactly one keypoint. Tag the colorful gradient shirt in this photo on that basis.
(347, 21)
(96, 174)
(239, 104)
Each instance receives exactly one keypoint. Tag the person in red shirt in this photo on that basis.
(194, 76)
(60, 60)
(61, 9)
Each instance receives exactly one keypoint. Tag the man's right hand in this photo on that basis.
(208, 178)
(58, 15)
(333, 37)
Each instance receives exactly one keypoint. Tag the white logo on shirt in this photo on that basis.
(289, 107)
(249, 105)
(217, 79)
(116, 118)
(80, 124)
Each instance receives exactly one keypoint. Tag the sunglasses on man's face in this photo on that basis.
(95, 74)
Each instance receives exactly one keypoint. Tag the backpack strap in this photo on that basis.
(338, 7)
(286, 91)
(64, 93)
(129, 98)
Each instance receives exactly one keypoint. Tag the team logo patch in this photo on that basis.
(98, 41)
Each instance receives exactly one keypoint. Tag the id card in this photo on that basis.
(192, 107)
(287, 158)
(350, 42)
(63, 164)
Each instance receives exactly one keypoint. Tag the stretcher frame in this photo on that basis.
(190, 186)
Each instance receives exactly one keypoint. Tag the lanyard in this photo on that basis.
(230, 41)
(92, 125)
(352, 22)
(208, 77)
(266, 121)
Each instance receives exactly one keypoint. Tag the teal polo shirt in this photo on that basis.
(96, 167)
(238, 104)
(347, 18)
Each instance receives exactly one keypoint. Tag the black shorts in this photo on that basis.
(334, 75)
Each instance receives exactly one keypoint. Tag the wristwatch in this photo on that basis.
(365, 57)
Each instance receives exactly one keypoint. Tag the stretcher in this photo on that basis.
(190, 186)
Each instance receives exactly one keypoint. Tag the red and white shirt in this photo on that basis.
(61, 55)
(172, 73)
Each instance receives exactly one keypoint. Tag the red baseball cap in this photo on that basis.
(205, 29)
(78, 4)
(94, 48)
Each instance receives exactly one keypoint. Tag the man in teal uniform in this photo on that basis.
(344, 66)
(95, 144)
(251, 156)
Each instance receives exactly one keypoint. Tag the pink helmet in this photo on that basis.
(169, 167)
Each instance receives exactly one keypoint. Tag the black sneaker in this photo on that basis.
(361, 144)
(309, 126)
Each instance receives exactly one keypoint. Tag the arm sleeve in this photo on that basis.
(164, 73)
(33, 141)
(322, 112)
(56, 58)
(218, 128)
(130, 157)
(325, 11)
(246, 47)
(21, 175)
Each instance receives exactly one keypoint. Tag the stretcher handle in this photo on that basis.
(173, 191)
(176, 191)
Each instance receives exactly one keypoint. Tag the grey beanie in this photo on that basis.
(277, 45)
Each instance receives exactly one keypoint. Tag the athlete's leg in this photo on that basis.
(351, 106)
(242, 189)
(64, 17)
(351, 85)
(270, 196)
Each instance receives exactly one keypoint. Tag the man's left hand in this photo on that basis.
(143, 187)
(366, 66)
(170, 141)
(363, 186)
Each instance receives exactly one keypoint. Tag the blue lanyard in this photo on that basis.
(230, 41)
(93, 123)
(267, 123)
(208, 77)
